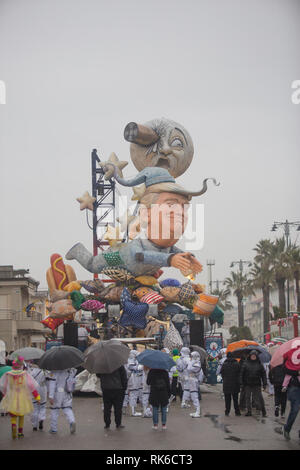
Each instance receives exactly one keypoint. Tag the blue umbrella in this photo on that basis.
(155, 359)
(263, 355)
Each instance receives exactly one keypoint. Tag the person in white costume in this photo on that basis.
(134, 381)
(61, 386)
(147, 409)
(182, 365)
(194, 372)
(222, 358)
(39, 407)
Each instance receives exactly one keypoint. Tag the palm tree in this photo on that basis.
(294, 263)
(281, 269)
(238, 333)
(263, 278)
(240, 286)
(263, 275)
(223, 301)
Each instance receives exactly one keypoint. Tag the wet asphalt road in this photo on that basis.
(212, 431)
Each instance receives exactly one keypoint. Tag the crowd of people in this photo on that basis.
(25, 389)
(153, 389)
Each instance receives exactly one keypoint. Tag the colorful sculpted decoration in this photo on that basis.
(161, 143)
(161, 150)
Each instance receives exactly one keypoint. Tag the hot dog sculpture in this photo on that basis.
(60, 274)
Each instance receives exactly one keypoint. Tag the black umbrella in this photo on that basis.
(263, 354)
(105, 357)
(61, 357)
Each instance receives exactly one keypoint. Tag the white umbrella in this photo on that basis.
(28, 353)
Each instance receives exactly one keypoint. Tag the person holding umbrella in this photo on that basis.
(291, 383)
(106, 359)
(253, 374)
(61, 386)
(61, 361)
(230, 372)
(159, 364)
(113, 387)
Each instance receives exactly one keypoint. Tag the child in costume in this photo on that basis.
(39, 413)
(17, 387)
(61, 387)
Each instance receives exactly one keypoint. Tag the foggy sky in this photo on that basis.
(77, 71)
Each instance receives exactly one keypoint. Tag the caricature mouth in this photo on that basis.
(163, 163)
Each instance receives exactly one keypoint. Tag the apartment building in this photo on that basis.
(20, 327)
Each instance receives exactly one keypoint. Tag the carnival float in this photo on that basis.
(126, 294)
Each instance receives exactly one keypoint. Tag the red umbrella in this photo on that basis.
(284, 348)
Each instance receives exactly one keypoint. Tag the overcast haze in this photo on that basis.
(76, 72)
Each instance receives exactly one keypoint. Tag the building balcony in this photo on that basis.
(23, 322)
(32, 322)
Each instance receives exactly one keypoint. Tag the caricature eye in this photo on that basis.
(176, 143)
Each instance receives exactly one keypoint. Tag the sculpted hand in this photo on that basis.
(180, 261)
(195, 265)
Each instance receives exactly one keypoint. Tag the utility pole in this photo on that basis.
(210, 263)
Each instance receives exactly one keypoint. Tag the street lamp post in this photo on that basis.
(241, 264)
(286, 228)
(209, 263)
(217, 282)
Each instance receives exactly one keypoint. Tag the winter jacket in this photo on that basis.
(175, 372)
(276, 375)
(230, 373)
(160, 390)
(253, 373)
(117, 380)
(294, 382)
